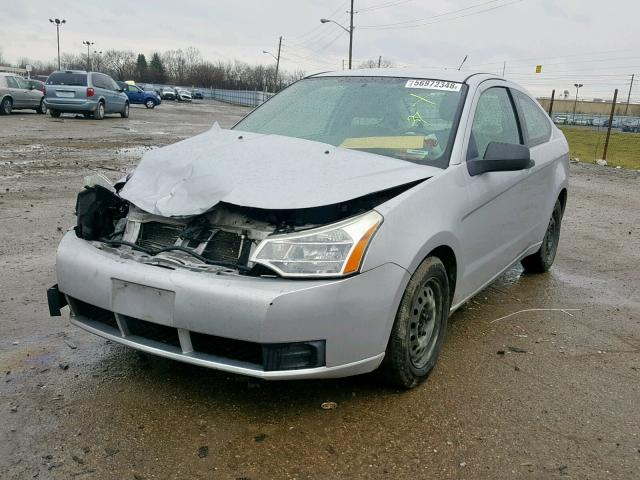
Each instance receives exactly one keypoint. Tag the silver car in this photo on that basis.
(89, 93)
(331, 232)
(17, 92)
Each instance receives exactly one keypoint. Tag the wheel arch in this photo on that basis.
(562, 197)
(448, 257)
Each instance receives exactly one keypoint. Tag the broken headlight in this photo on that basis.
(330, 251)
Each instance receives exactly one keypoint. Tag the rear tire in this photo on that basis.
(54, 113)
(42, 108)
(99, 113)
(542, 260)
(125, 112)
(6, 106)
(150, 104)
(419, 328)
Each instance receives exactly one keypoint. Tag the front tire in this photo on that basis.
(99, 113)
(42, 108)
(420, 326)
(542, 260)
(6, 106)
(125, 112)
(150, 104)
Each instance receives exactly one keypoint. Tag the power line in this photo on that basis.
(420, 22)
(383, 5)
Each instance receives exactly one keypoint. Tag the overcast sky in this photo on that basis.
(587, 41)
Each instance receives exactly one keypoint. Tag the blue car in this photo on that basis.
(140, 96)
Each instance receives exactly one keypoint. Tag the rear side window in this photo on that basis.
(22, 83)
(11, 82)
(67, 78)
(536, 122)
(494, 121)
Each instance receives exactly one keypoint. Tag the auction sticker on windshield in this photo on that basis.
(434, 85)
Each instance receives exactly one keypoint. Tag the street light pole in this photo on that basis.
(348, 30)
(58, 22)
(277, 59)
(575, 105)
(88, 44)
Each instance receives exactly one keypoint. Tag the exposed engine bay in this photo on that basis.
(220, 240)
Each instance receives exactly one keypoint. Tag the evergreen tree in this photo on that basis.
(156, 72)
(142, 73)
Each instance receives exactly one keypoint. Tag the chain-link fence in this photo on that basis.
(247, 98)
(599, 130)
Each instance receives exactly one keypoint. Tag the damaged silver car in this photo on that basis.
(331, 232)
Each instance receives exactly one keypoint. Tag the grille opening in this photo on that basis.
(153, 331)
(94, 313)
(156, 235)
(227, 348)
(223, 246)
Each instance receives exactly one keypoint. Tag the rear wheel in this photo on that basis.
(42, 108)
(5, 106)
(542, 260)
(54, 113)
(420, 326)
(150, 103)
(125, 112)
(99, 113)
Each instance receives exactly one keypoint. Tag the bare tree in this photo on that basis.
(373, 63)
(121, 64)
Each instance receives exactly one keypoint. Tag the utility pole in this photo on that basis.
(351, 35)
(553, 96)
(504, 68)
(626, 110)
(348, 30)
(275, 87)
(613, 110)
(58, 22)
(379, 61)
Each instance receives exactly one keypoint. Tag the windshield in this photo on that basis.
(408, 119)
(67, 78)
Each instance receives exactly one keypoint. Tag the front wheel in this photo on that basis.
(125, 112)
(5, 106)
(150, 103)
(542, 260)
(420, 326)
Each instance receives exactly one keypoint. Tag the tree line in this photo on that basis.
(172, 67)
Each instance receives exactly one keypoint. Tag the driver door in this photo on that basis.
(494, 224)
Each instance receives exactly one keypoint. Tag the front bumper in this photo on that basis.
(353, 316)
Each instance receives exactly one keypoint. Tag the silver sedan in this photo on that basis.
(331, 232)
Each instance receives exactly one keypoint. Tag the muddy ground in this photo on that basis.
(540, 394)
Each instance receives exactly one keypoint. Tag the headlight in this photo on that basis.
(331, 251)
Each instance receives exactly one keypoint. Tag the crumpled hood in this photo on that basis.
(262, 171)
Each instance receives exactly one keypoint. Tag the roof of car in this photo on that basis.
(434, 74)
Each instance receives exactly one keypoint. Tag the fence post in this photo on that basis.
(613, 110)
(553, 96)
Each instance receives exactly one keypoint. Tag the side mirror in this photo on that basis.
(501, 157)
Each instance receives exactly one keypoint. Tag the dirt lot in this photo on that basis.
(540, 394)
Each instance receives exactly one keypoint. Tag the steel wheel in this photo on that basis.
(542, 260)
(423, 328)
(6, 106)
(150, 104)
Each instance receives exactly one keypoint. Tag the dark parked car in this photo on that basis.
(631, 126)
(197, 96)
(89, 93)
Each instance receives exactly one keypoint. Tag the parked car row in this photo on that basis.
(628, 124)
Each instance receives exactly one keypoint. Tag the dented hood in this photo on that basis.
(262, 171)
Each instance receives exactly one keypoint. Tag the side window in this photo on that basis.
(133, 89)
(22, 83)
(97, 80)
(494, 121)
(11, 82)
(536, 122)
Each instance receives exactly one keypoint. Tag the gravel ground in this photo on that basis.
(540, 394)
